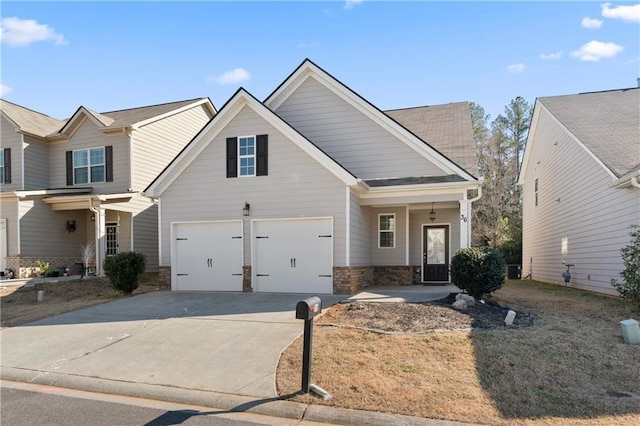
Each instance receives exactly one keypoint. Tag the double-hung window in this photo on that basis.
(247, 155)
(1, 165)
(387, 230)
(88, 165)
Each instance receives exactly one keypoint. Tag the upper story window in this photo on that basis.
(535, 191)
(2, 165)
(88, 165)
(5, 165)
(387, 230)
(247, 155)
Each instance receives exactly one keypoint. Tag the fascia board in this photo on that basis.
(76, 121)
(625, 181)
(453, 187)
(530, 137)
(308, 69)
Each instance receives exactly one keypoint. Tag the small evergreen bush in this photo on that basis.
(124, 270)
(478, 271)
(630, 289)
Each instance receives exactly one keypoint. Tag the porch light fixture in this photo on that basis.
(432, 214)
(71, 226)
(246, 209)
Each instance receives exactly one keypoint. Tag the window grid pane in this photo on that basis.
(386, 230)
(96, 156)
(80, 158)
(81, 175)
(246, 155)
(97, 174)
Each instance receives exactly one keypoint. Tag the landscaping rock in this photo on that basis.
(460, 304)
(467, 298)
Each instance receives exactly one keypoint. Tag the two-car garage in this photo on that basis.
(287, 255)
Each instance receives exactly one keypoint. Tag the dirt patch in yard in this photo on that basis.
(564, 364)
(19, 305)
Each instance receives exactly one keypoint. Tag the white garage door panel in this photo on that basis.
(208, 256)
(293, 256)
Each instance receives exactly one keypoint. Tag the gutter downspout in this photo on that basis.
(634, 182)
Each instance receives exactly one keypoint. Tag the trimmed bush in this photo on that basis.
(629, 289)
(124, 270)
(478, 271)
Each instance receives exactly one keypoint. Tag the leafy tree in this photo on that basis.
(630, 288)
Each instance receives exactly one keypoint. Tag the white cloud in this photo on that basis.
(350, 4)
(515, 68)
(232, 77)
(626, 13)
(596, 50)
(4, 89)
(551, 56)
(591, 23)
(18, 32)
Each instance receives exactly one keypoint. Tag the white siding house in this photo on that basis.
(580, 187)
(69, 183)
(316, 191)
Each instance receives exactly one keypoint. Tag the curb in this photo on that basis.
(271, 406)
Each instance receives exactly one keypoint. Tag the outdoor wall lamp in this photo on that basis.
(246, 209)
(432, 214)
(71, 226)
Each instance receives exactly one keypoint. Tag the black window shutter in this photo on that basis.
(69, 168)
(262, 155)
(108, 163)
(7, 165)
(232, 157)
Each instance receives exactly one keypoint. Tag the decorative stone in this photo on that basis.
(511, 315)
(460, 304)
(630, 331)
(467, 298)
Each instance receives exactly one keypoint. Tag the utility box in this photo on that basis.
(513, 272)
(630, 331)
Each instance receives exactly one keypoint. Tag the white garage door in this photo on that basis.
(208, 256)
(293, 256)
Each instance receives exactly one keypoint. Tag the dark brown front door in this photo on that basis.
(436, 253)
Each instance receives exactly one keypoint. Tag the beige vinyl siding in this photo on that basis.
(389, 256)
(9, 211)
(297, 186)
(156, 144)
(575, 203)
(329, 121)
(360, 233)
(36, 164)
(419, 218)
(43, 232)
(13, 140)
(88, 136)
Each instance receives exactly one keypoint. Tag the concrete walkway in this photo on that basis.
(223, 347)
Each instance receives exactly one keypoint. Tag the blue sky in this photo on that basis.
(106, 56)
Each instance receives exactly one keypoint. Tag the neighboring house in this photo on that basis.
(580, 187)
(315, 190)
(69, 183)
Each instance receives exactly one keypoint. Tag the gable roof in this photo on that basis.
(29, 121)
(133, 117)
(308, 68)
(447, 128)
(230, 109)
(607, 123)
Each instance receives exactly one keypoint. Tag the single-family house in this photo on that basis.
(315, 190)
(580, 187)
(69, 183)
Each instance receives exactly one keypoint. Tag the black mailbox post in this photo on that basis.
(306, 310)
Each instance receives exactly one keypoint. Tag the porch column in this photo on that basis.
(100, 242)
(464, 223)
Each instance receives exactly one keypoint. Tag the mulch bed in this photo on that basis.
(423, 317)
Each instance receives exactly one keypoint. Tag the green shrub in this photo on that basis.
(630, 289)
(511, 252)
(478, 271)
(124, 270)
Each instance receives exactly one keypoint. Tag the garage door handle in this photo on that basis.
(181, 239)
(236, 275)
(182, 275)
(262, 275)
(236, 238)
(324, 236)
(324, 276)
(261, 237)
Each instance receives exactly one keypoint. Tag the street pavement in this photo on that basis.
(206, 349)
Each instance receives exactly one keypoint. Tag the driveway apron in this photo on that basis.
(222, 342)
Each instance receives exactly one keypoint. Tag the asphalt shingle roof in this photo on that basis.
(446, 128)
(607, 123)
(127, 117)
(31, 121)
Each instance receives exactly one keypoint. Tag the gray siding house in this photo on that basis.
(580, 187)
(315, 190)
(65, 184)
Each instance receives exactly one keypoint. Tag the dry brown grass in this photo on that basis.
(19, 305)
(570, 367)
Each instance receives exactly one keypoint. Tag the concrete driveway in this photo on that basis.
(221, 342)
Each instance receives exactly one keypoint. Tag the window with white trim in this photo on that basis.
(247, 155)
(88, 165)
(1, 165)
(386, 230)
